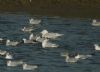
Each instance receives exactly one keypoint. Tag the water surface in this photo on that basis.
(79, 36)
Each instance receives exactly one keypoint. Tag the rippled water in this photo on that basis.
(79, 36)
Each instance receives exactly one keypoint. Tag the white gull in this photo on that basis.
(81, 56)
(97, 47)
(34, 21)
(14, 63)
(27, 29)
(11, 43)
(46, 44)
(29, 67)
(95, 23)
(40, 39)
(8, 56)
(50, 35)
(2, 52)
(32, 37)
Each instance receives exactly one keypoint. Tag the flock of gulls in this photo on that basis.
(44, 38)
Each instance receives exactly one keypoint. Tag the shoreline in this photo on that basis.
(62, 8)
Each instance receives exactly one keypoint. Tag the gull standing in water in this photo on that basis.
(29, 67)
(46, 44)
(51, 35)
(34, 21)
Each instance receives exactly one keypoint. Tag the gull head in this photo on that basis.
(94, 21)
(24, 39)
(8, 41)
(77, 56)
(31, 20)
(44, 32)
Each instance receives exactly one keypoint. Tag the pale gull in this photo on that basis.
(12, 43)
(46, 44)
(34, 21)
(29, 67)
(14, 63)
(27, 29)
(50, 35)
(97, 47)
(95, 23)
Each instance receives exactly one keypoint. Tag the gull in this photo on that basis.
(2, 52)
(69, 58)
(95, 23)
(97, 47)
(79, 56)
(29, 67)
(34, 21)
(28, 29)
(51, 35)
(8, 56)
(28, 41)
(46, 44)
(14, 63)
(11, 43)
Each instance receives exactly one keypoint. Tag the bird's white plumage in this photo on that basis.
(46, 44)
(11, 43)
(32, 37)
(8, 56)
(2, 52)
(95, 23)
(80, 56)
(50, 35)
(97, 47)
(27, 29)
(28, 41)
(34, 21)
(29, 67)
(40, 39)
(14, 63)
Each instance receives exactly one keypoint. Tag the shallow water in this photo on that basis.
(79, 36)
